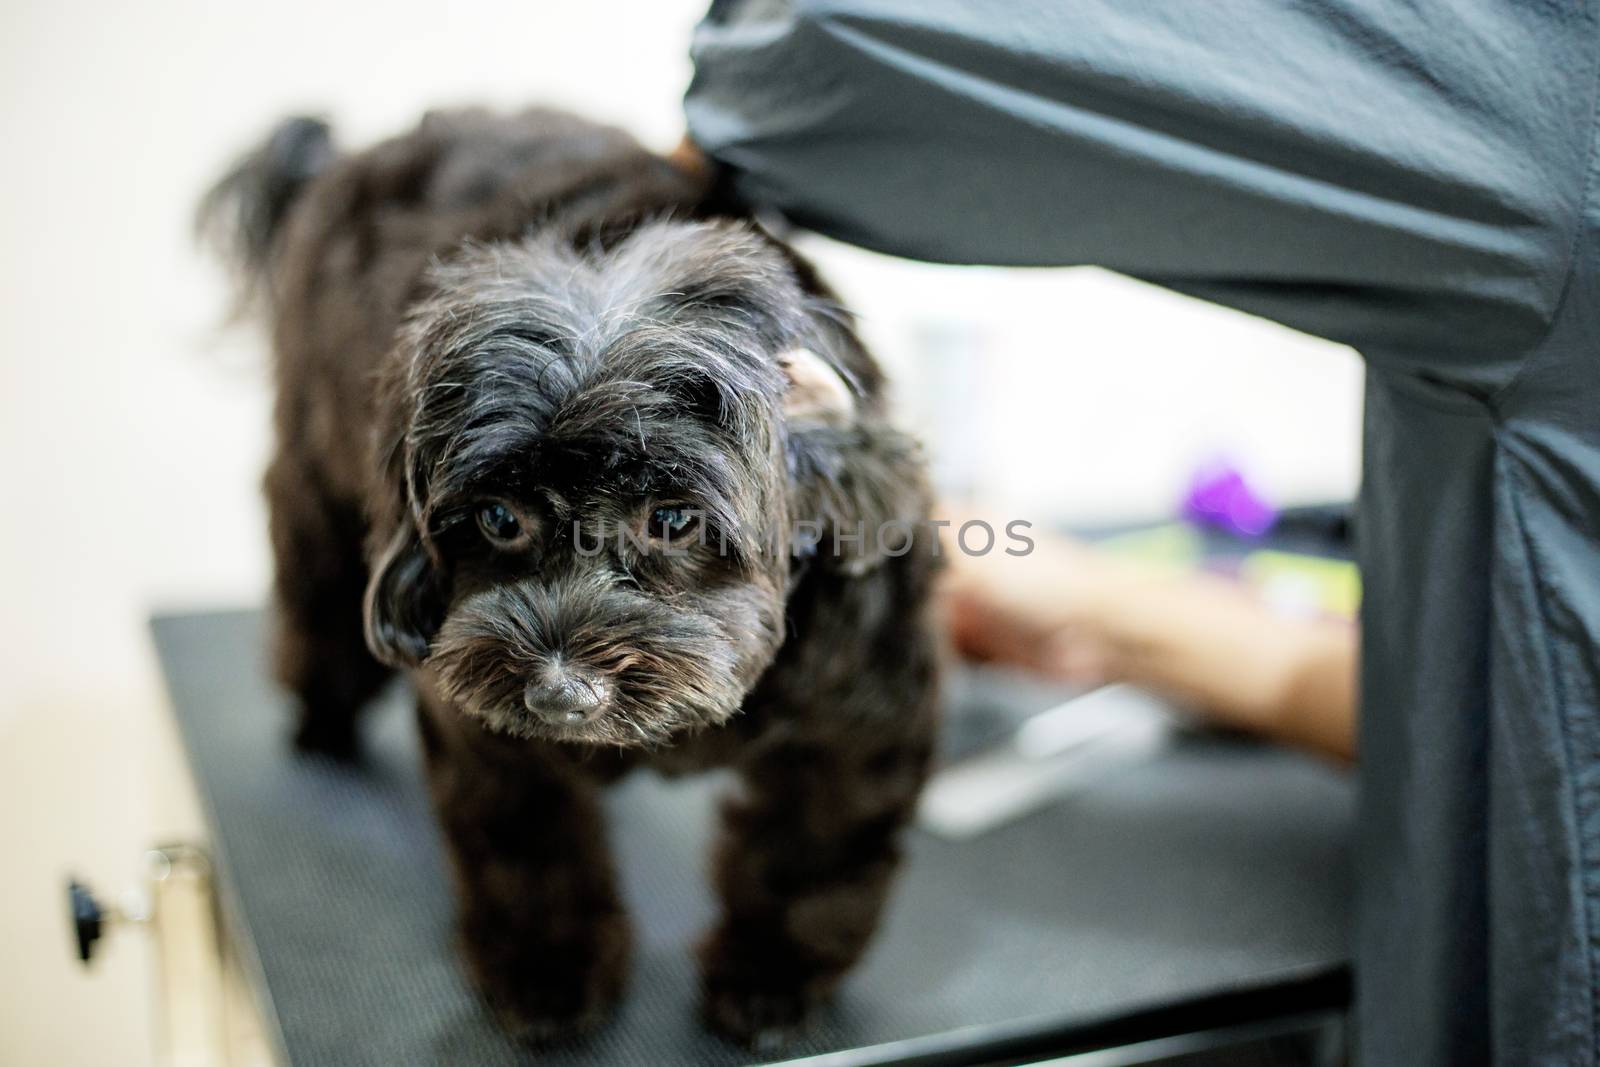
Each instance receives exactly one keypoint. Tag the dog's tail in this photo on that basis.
(242, 215)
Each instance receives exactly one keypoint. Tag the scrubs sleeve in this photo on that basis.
(1404, 178)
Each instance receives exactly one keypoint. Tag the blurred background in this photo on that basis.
(134, 425)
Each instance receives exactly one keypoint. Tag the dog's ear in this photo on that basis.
(405, 601)
(816, 391)
(856, 483)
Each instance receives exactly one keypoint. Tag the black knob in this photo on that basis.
(88, 918)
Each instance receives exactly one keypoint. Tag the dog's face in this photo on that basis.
(591, 455)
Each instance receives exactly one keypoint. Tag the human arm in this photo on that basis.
(1078, 614)
(1393, 177)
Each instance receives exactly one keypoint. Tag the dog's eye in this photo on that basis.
(671, 523)
(499, 524)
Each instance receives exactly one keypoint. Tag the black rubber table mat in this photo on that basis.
(1220, 866)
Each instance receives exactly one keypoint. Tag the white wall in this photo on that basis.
(133, 432)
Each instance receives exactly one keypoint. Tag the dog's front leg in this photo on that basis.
(808, 851)
(542, 928)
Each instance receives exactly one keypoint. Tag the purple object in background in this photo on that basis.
(1220, 497)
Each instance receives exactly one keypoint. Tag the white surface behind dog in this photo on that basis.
(134, 432)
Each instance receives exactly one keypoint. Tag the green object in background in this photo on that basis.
(1174, 546)
(1309, 583)
(1297, 583)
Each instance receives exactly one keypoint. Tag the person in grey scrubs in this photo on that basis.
(1411, 179)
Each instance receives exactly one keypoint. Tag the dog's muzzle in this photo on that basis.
(566, 697)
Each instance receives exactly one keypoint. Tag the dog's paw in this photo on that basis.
(551, 1008)
(762, 1020)
(542, 995)
(548, 1017)
(753, 991)
(758, 1003)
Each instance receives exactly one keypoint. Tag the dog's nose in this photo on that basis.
(565, 697)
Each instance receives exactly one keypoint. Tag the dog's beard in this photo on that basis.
(667, 669)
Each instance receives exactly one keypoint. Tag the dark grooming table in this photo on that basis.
(1204, 888)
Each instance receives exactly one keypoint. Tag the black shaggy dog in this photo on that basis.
(611, 476)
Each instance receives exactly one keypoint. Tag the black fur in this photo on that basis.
(532, 319)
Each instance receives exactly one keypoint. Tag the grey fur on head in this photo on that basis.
(586, 385)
